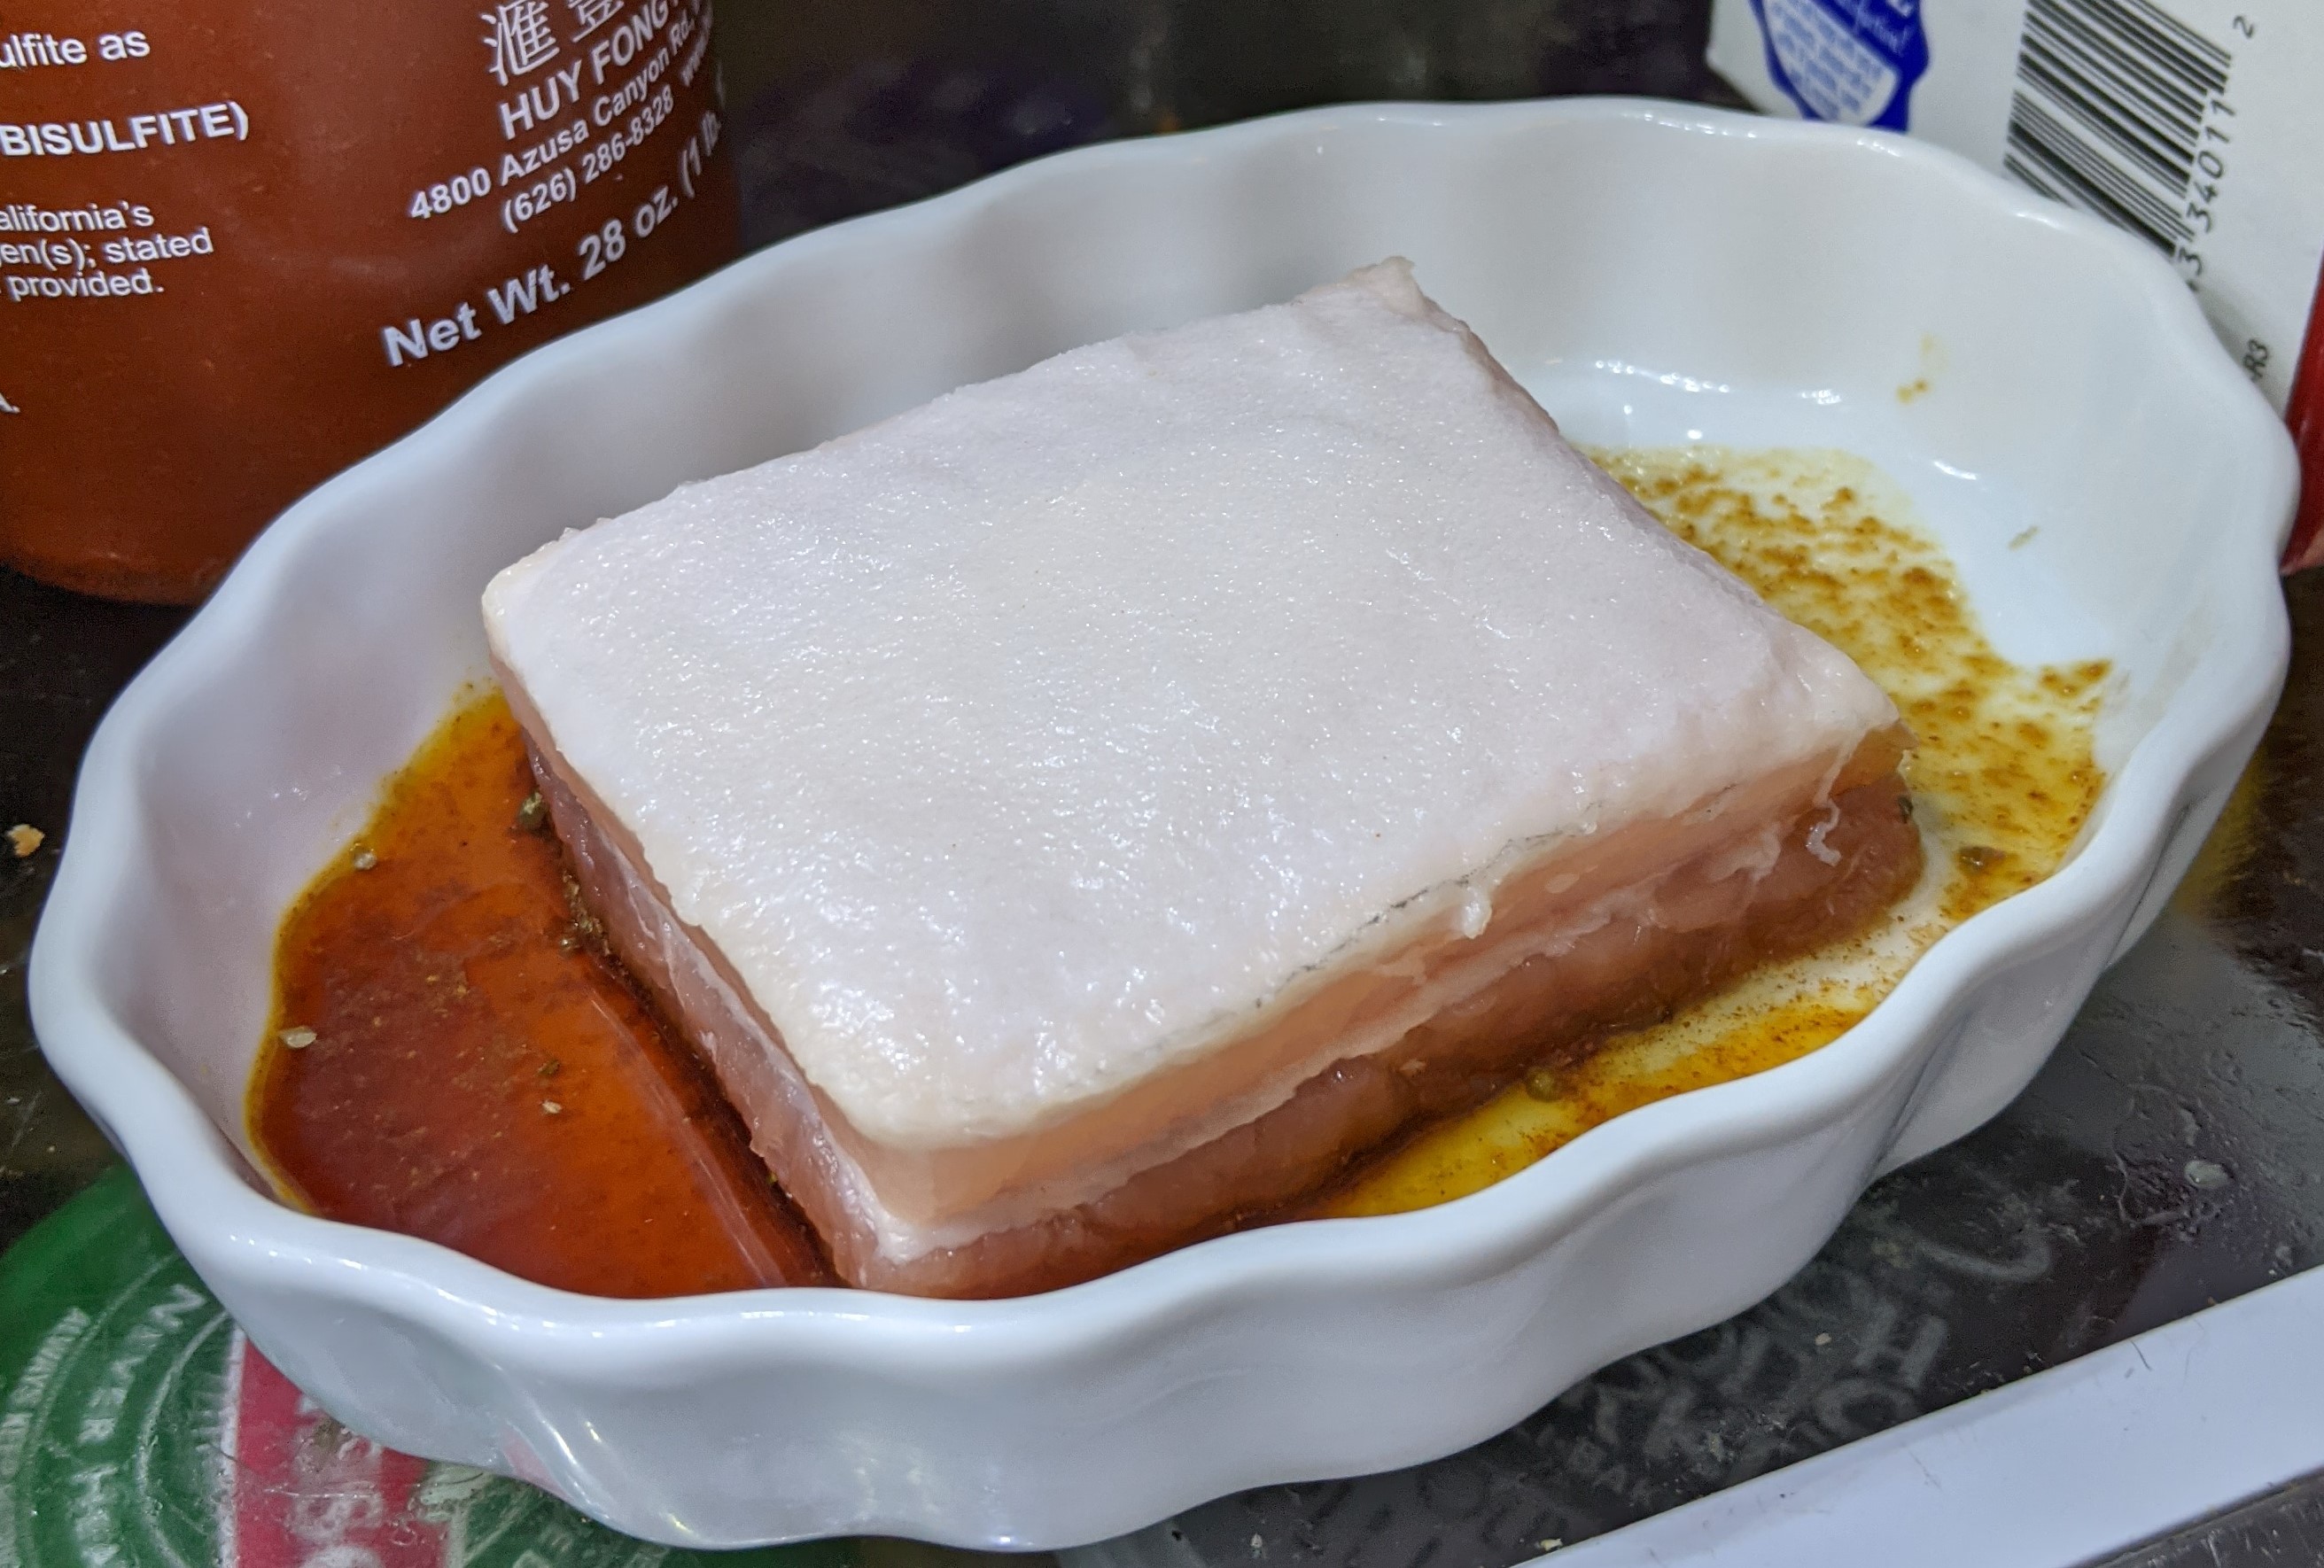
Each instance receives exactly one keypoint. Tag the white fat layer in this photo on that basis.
(1028, 744)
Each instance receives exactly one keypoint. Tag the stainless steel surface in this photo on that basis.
(2285, 1529)
(842, 108)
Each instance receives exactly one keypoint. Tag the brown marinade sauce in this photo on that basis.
(482, 1074)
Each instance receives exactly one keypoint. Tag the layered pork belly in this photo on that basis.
(1089, 811)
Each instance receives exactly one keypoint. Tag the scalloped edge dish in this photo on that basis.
(1766, 276)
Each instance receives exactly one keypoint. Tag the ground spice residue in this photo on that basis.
(2002, 782)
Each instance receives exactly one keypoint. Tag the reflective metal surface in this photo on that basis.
(2285, 1528)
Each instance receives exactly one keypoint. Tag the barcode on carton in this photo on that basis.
(2110, 113)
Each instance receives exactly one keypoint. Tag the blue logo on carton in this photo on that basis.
(1850, 61)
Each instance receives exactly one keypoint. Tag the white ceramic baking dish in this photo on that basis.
(1656, 274)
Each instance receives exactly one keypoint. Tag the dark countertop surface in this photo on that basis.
(62, 657)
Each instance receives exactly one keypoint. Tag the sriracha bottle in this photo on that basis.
(243, 242)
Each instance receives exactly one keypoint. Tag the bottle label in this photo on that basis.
(241, 247)
(1850, 61)
(139, 1429)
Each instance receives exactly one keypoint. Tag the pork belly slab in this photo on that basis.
(1087, 811)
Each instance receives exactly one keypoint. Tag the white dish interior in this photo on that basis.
(1655, 274)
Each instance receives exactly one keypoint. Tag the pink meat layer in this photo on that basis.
(1579, 944)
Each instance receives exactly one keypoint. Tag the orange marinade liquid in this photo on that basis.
(481, 1074)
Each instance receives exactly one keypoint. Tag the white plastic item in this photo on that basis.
(1653, 273)
(2192, 124)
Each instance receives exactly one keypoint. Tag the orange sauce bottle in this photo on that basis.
(243, 242)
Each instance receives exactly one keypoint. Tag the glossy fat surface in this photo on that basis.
(1034, 741)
